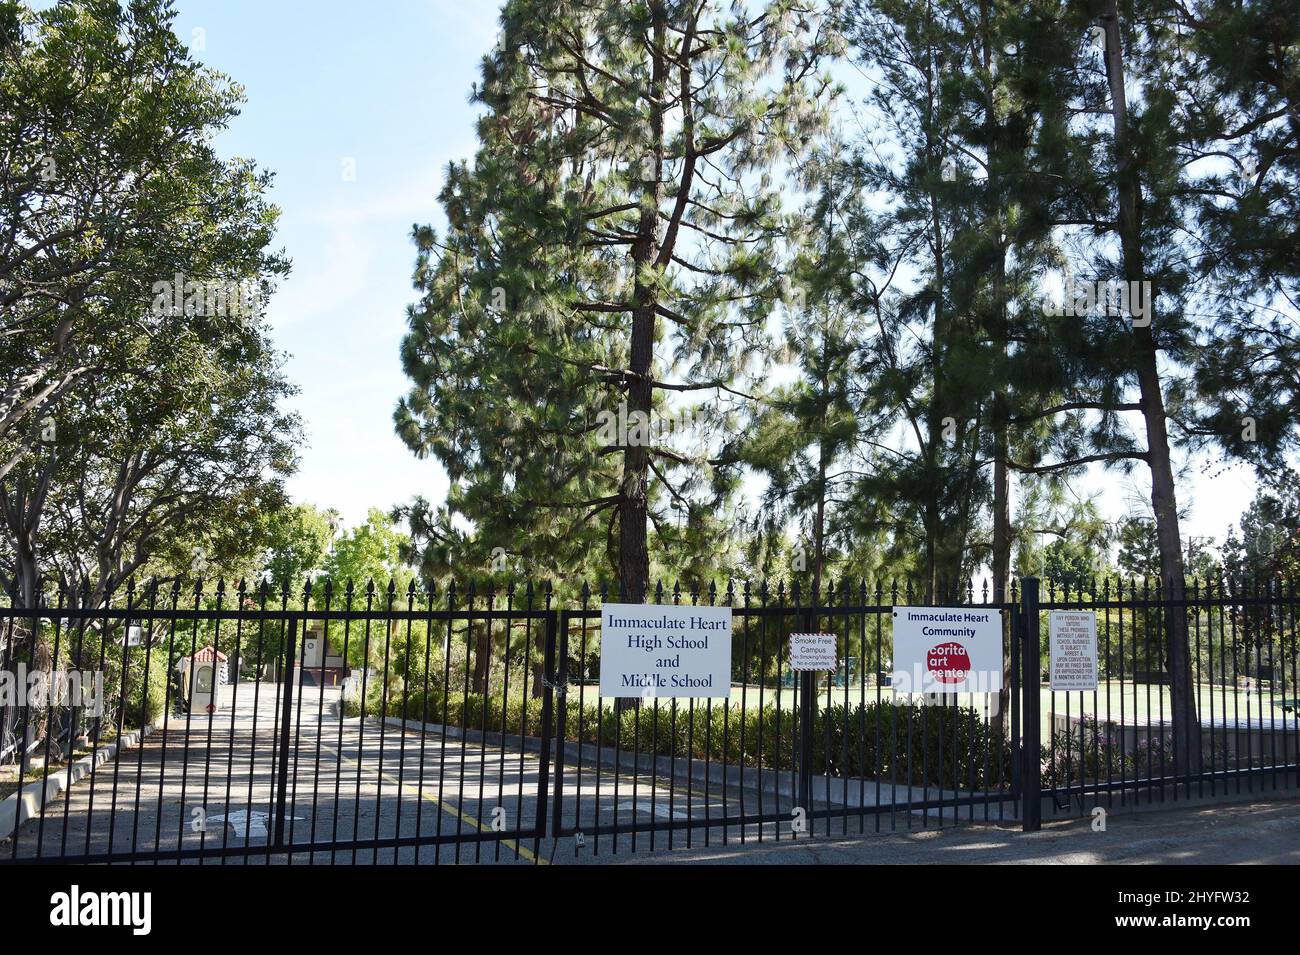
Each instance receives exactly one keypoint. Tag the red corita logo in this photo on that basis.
(948, 662)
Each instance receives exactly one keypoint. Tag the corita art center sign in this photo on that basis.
(649, 650)
(947, 650)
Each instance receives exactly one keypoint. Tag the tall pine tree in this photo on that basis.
(611, 256)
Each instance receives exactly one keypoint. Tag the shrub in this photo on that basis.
(1095, 754)
(893, 741)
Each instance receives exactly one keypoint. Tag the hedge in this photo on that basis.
(869, 741)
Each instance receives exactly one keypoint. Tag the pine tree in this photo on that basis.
(1235, 74)
(613, 248)
(926, 477)
(805, 439)
(1135, 189)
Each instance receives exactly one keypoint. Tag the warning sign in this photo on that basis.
(947, 650)
(813, 651)
(1073, 636)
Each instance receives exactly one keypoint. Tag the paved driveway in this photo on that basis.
(206, 782)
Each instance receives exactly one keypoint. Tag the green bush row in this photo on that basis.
(891, 741)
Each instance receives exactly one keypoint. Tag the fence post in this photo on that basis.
(548, 694)
(559, 688)
(282, 774)
(806, 691)
(1031, 778)
(807, 712)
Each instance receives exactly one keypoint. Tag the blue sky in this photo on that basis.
(384, 85)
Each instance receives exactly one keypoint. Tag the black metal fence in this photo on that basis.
(785, 755)
(1125, 742)
(467, 725)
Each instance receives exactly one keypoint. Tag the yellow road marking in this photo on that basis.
(511, 844)
(664, 788)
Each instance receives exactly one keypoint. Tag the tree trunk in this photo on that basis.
(1000, 559)
(24, 506)
(1186, 724)
(482, 658)
(823, 462)
(633, 554)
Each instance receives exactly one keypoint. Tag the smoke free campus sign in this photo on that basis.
(947, 650)
(650, 650)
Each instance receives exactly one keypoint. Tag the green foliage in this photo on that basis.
(164, 429)
(1266, 544)
(806, 436)
(1139, 554)
(903, 743)
(373, 551)
(611, 252)
(299, 540)
(1096, 753)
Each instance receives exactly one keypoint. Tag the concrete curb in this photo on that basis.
(28, 801)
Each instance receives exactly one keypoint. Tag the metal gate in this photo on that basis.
(302, 757)
(372, 726)
(782, 757)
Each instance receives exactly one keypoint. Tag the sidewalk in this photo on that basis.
(1264, 832)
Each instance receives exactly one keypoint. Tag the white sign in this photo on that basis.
(1073, 635)
(134, 636)
(813, 651)
(650, 650)
(947, 650)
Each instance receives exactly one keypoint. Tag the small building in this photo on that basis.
(322, 662)
(202, 673)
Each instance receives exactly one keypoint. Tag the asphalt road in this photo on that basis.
(206, 783)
